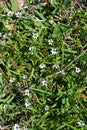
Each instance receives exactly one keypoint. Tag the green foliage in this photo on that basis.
(14, 5)
(43, 51)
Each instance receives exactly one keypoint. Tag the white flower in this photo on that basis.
(18, 14)
(50, 41)
(78, 70)
(18, 84)
(0, 127)
(35, 36)
(24, 76)
(62, 72)
(42, 66)
(12, 80)
(80, 123)
(16, 127)
(46, 108)
(4, 36)
(25, 127)
(27, 92)
(5, 106)
(31, 48)
(27, 103)
(10, 13)
(10, 33)
(56, 66)
(86, 77)
(44, 82)
(53, 51)
(0, 34)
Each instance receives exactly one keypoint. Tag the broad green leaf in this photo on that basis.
(14, 5)
(57, 32)
(40, 15)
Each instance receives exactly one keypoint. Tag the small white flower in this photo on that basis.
(56, 66)
(62, 72)
(12, 80)
(31, 48)
(16, 127)
(24, 76)
(5, 106)
(25, 127)
(4, 36)
(0, 127)
(27, 92)
(54, 51)
(18, 84)
(27, 103)
(46, 108)
(18, 14)
(86, 77)
(0, 34)
(35, 36)
(10, 13)
(80, 123)
(44, 82)
(10, 33)
(78, 70)
(42, 66)
(50, 41)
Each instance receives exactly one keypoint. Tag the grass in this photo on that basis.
(43, 67)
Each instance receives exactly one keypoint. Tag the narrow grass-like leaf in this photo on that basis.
(42, 91)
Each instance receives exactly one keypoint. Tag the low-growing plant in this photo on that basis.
(43, 70)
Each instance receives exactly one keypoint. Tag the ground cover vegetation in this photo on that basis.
(43, 66)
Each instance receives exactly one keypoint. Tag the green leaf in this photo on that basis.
(70, 51)
(42, 91)
(40, 15)
(14, 5)
(32, 73)
(57, 32)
